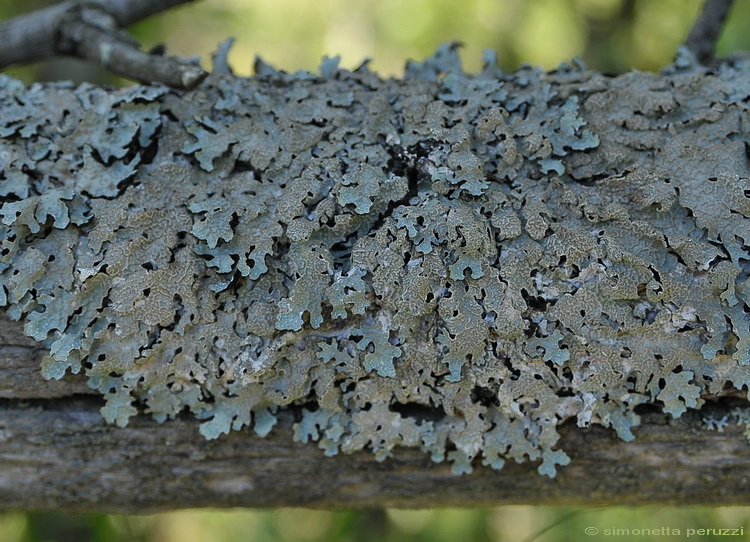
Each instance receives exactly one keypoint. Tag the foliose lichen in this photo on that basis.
(453, 262)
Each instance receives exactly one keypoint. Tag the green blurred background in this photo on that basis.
(609, 35)
(506, 524)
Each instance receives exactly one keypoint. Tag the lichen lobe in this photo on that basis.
(453, 262)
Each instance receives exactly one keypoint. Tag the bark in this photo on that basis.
(653, 165)
(704, 34)
(56, 453)
(93, 30)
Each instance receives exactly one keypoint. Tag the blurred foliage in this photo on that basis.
(609, 35)
(506, 524)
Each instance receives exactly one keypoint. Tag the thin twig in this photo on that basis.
(701, 40)
(92, 29)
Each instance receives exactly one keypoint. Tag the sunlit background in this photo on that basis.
(609, 35)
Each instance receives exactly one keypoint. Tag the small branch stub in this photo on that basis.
(705, 32)
(92, 33)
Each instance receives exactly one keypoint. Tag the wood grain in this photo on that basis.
(56, 453)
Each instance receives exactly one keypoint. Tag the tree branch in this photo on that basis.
(701, 40)
(60, 455)
(57, 453)
(613, 197)
(91, 30)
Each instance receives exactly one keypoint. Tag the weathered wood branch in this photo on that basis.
(57, 453)
(491, 268)
(93, 30)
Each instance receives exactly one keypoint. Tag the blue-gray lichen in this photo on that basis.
(452, 262)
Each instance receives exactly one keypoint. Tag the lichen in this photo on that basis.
(452, 262)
